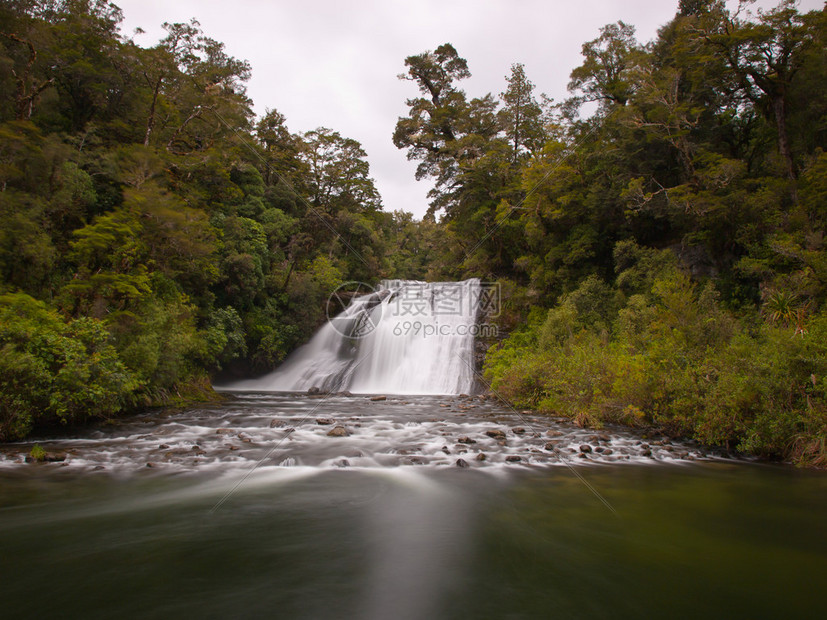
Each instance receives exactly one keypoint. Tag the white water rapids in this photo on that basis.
(406, 337)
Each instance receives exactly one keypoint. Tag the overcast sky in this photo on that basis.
(334, 63)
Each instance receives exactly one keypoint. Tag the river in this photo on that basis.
(257, 507)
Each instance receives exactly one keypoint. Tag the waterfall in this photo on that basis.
(406, 337)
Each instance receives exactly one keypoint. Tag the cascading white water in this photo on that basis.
(407, 337)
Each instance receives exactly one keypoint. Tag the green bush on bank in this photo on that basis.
(53, 370)
(670, 355)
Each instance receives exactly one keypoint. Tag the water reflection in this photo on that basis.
(417, 538)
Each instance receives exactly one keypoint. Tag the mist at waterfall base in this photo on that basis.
(406, 337)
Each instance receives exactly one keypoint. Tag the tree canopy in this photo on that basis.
(151, 212)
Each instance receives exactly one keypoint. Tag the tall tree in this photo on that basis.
(765, 56)
(604, 76)
(280, 147)
(430, 131)
(521, 117)
(82, 57)
(340, 172)
(444, 131)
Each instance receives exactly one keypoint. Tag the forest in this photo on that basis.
(658, 236)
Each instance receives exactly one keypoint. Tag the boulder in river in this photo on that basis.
(378, 398)
(585, 448)
(495, 434)
(461, 463)
(466, 440)
(338, 431)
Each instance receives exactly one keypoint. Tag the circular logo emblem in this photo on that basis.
(351, 309)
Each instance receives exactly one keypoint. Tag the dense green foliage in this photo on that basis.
(152, 229)
(661, 349)
(662, 231)
(659, 236)
(52, 370)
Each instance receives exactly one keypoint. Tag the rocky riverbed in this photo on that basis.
(349, 431)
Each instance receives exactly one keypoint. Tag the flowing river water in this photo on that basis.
(292, 506)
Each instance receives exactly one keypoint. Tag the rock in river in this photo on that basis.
(338, 431)
(495, 434)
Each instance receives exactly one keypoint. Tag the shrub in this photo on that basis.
(55, 371)
(676, 359)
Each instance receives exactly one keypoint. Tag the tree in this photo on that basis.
(431, 129)
(339, 171)
(605, 75)
(198, 86)
(280, 149)
(52, 370)
(765, 56)
(445, 131)
(28, 85)
(82, 48)
(521, 117)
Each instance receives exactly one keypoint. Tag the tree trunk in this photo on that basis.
(779, 112)
(289, 273)
(196, 113)
(25, 96)
(150, 122)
